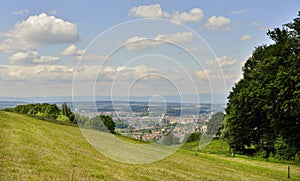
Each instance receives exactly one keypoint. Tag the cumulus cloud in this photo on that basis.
(223, 61)
(21, 12)
(155, 11)
(176, 37)
(150, 11)
(31, 57)
(245, 38)
(37, 72)
(211, 75)
(38, 30)
(72, 50)
(66, 73)
(79, 54)
(218, 22)
(195, 14)
(121, 73)
(137, 42)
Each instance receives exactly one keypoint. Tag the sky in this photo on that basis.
(131, 47)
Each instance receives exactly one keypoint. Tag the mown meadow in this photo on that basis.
(34, 149)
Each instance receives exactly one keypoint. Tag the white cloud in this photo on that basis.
(46, 60)
(218, 22)
(195, 14)
(245, 38)
(203, 74)
(21, 12)
(136, 42)
(224, 61)
(150, 11)
(229, 76)
(59, 72)
(179, 37)
(31, 57)
(120, 73)
(72, 50)
(66, 73)
(125, 73)
(240, 11)
(260, 26)
(155, 11)
(37, 72)
(38, 30)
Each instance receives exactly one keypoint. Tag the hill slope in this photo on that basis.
(32, 149)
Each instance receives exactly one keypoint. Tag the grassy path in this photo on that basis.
(31, 149)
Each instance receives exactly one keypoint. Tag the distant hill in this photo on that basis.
(203, 98)
(32, 149)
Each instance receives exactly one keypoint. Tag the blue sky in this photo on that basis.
(42, 42)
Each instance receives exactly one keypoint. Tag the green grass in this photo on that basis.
(216, 146)
(32, 149)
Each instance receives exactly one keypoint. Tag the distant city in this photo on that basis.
(152, 121)
(139, 119)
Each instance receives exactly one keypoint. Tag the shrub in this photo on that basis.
(63, 118)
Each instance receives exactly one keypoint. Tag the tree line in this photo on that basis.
(46, 110)
(99, 122)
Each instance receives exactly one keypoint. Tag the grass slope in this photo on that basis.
(32, 149)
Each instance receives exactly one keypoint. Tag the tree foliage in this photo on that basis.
(46, 110)
(195, 136)
(66, 111)
(263, 108)
(102, 123)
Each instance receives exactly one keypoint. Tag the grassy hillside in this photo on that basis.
(32, 149)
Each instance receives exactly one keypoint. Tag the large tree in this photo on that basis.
(264, 105)
(102, 123)
(66, 111)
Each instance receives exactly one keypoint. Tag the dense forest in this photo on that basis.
(263, 115)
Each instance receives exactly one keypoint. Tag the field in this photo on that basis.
(32, 149)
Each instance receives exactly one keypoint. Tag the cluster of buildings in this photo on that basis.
(153, 129)
(144, 125)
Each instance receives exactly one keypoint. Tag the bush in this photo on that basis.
(261, 154)
(63, 118)
(42, 114)
(8, 109)
(283, 150)
(297, 158)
